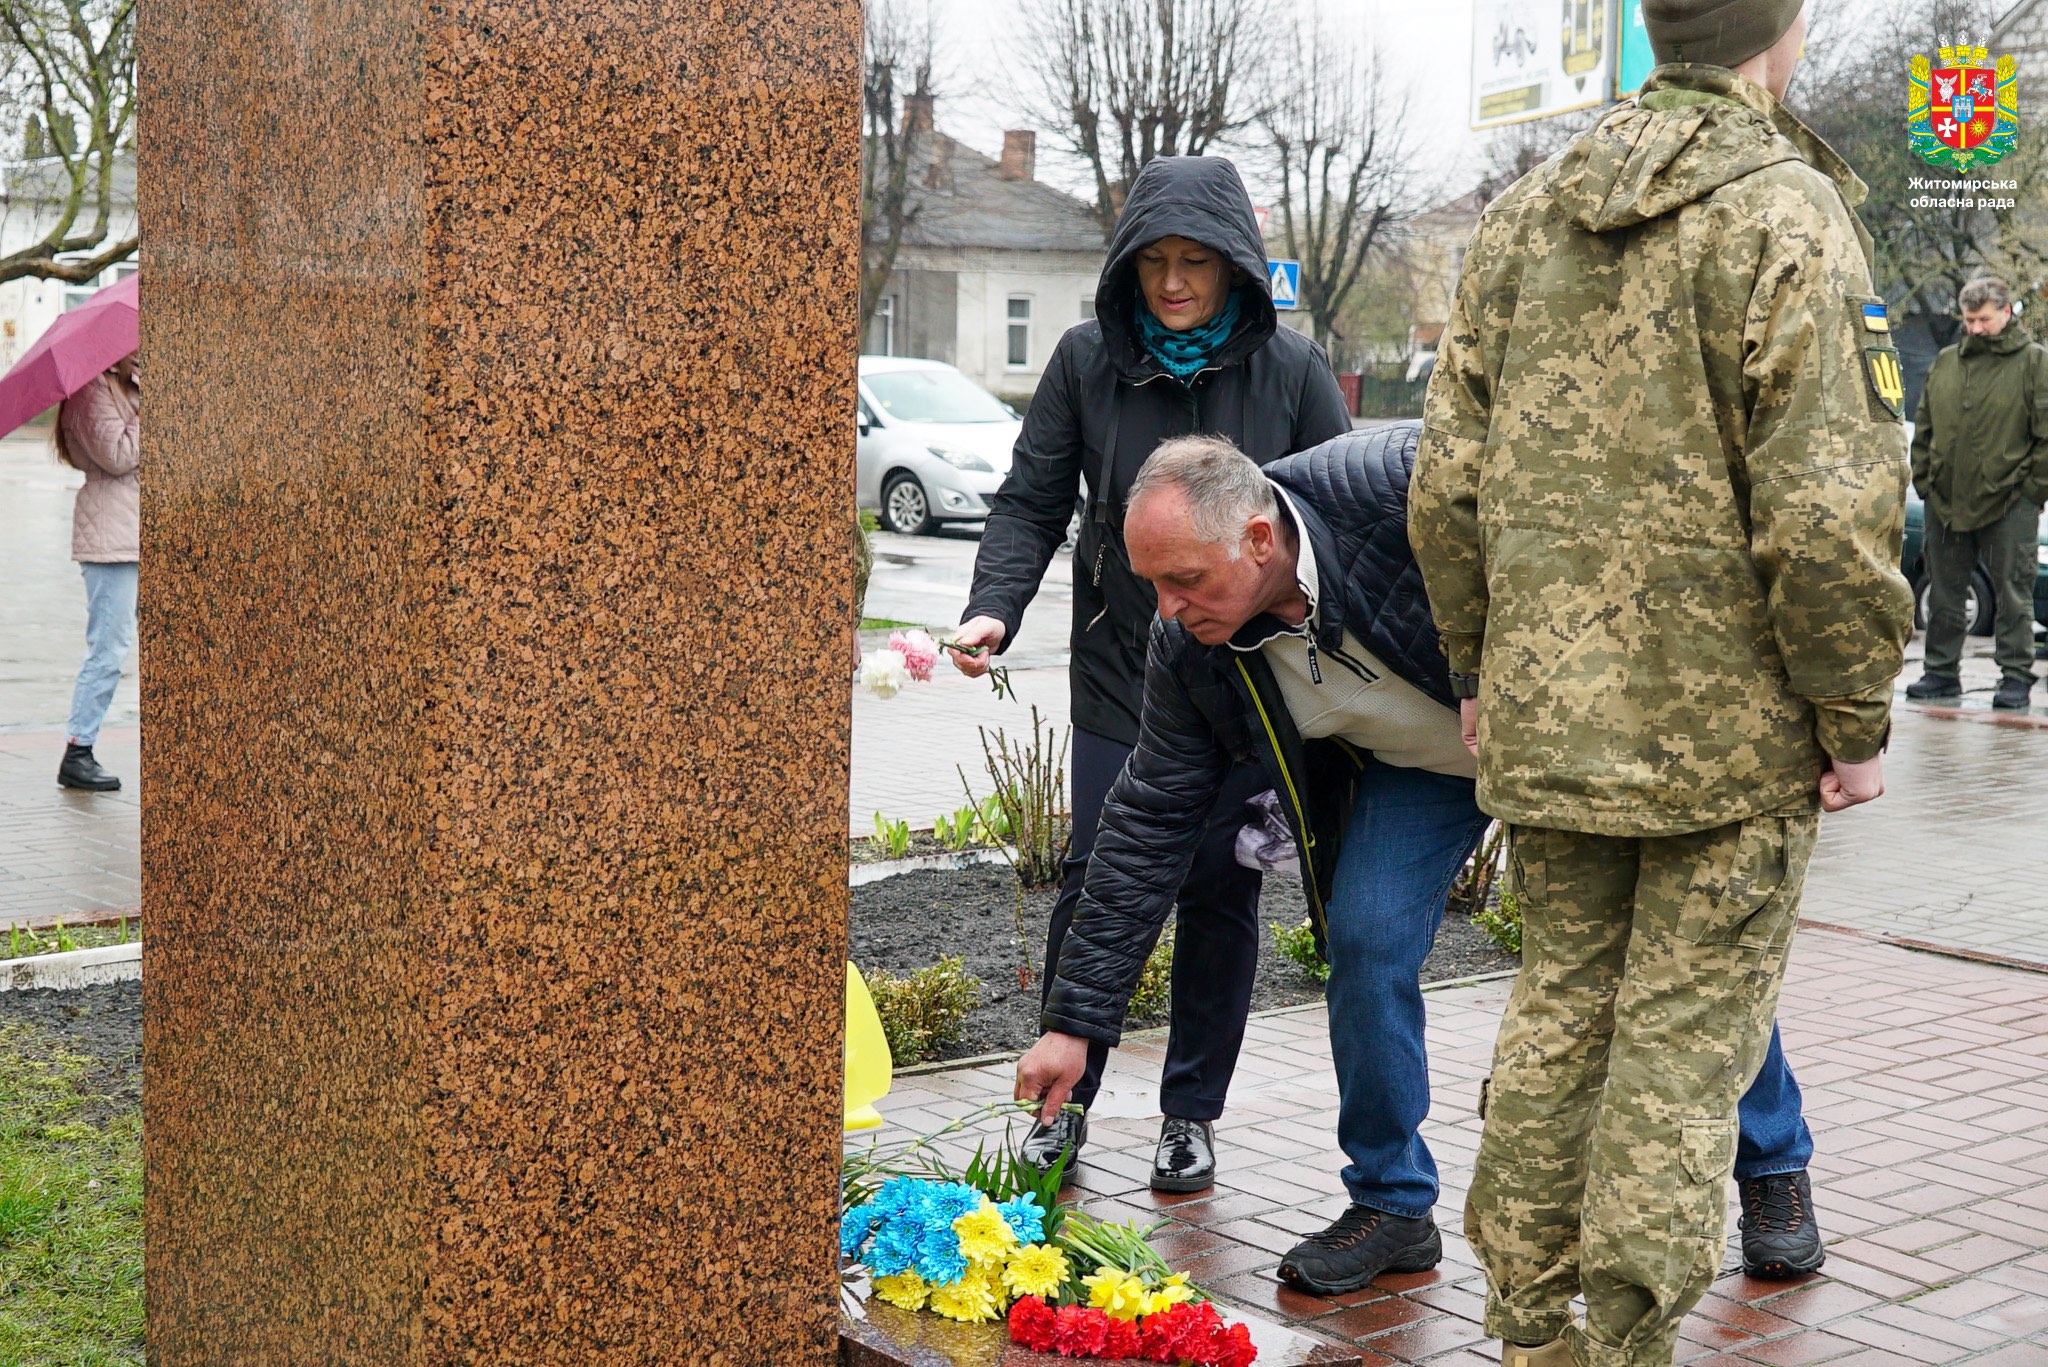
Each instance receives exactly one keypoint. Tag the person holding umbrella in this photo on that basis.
(87, 363)
(99, 433)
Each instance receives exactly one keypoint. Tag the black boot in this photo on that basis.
(1780, 1237)
(1934, 686)
(81, 770)
(1186, 1160)
(1047, 1144)
(1362, 1244)
(2012, 694)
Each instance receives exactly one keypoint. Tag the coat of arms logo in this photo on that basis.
(1963, 111)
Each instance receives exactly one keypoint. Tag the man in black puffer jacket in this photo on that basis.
(1293, 631)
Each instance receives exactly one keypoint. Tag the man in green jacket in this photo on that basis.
(1658, 508)
(1980, 463)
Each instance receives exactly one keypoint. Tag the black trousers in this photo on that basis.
(1216, 947)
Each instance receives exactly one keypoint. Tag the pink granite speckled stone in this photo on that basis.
(499, 444)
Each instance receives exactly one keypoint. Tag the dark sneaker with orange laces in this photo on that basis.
(1780, 1237)
(1362, 1244)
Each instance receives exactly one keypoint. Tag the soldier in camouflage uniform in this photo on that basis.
(1658, 507)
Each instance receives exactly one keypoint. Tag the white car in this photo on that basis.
(934, 445)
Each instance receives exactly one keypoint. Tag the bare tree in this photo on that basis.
(72, 63)
(1345, 161)
(897, 99)
(1124, 81)
(1849, 91)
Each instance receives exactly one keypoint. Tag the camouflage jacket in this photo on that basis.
(1980, 438)
(1661, 488)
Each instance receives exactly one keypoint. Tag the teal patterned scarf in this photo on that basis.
(1184, 353)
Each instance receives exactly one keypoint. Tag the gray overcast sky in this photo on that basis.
(982, 58)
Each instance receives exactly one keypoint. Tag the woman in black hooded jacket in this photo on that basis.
(1184, 340)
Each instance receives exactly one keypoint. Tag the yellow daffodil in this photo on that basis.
(971, 1300)
(905, 1290)
(985, 1236)
(1171, 1292)
(1115, 1291)
(1035, 1270)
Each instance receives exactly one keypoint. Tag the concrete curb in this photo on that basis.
(75, 968)
(860, 875)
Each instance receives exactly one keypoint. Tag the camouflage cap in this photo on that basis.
(1716, 32)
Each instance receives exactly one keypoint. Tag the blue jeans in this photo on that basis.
(109, 636)
(1410, 833)
(1774, 1136)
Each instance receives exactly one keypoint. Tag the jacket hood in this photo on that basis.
(1202, 199)
(2014, 337)
(1692, 130)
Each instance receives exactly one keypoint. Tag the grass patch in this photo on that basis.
(888, 624)
(70, 1214)
(22, 943)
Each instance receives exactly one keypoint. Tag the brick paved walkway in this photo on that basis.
(65, 854)
(1952, 854)
(1925, 1090)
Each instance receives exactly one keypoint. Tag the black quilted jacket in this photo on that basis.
(1207, 707)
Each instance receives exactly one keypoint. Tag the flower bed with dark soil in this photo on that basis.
(909, 922)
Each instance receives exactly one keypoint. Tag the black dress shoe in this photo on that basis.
(1780, 1237)
(2013, 695)
(1186, 1160)
(1362, 1244)
(1933, 686)
(81, 770)
(1044, 1145)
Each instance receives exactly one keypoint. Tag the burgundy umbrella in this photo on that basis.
(78, 346)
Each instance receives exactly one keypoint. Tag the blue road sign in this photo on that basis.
(1285, 278)
(1636, 58)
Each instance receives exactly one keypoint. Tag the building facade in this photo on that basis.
(993, 268)
(31, 196)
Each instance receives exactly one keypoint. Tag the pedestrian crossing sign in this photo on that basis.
(1285, 279)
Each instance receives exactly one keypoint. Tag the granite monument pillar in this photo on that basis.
(499, 361)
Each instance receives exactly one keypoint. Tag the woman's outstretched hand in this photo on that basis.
(985, 632)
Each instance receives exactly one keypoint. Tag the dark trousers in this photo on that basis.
(1216, 947)
(2009, 549)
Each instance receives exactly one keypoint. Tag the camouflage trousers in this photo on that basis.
(1650, 976)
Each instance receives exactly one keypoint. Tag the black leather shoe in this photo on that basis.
(1186, 1160)
(1044, 1145)
(2013, 695)
(1362, 1244)
(81, 770)
(1932, 686)
(1780, 1237)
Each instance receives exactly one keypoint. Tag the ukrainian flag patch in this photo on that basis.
(1876, 319)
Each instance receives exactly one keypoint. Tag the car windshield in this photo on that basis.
(935, 396)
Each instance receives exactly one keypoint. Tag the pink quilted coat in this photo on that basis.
(102, 429)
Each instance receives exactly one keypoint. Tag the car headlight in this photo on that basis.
(961, 460)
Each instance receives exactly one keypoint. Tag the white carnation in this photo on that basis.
(884, 673)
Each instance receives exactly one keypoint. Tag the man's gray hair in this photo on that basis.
(1224, 487)
(1986, 291)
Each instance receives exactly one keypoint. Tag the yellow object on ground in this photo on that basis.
(868, 1065)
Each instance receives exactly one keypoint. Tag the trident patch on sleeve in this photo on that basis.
(1887, 380)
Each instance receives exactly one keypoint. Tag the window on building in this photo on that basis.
(1020, 331)
(885, 326)
(74, 295)
(1087, 307)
